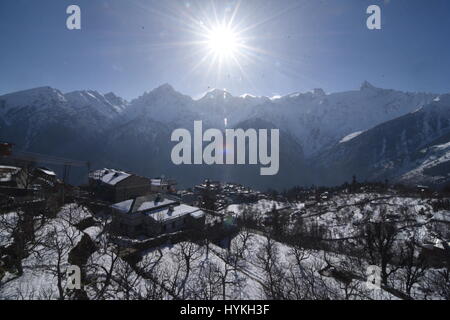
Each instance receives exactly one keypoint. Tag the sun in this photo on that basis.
(222, 41)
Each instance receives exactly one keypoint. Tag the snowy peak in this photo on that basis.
(318, 92)
(162, 104)
(164, 88)
(96, 101)
(164, 93)
(217, 94)
(115, 100)
(366, 85)
(39, 97)
(247, 96)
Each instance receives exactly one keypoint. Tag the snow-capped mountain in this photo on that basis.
(217, 105)
(108, 105)
(46, 120)
(413, 147)
(319, 120)
(164, 105)
(353, 132)
(42, 97)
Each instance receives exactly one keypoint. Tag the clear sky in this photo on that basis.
(284, 46)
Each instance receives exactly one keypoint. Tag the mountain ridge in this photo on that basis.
(318, 125)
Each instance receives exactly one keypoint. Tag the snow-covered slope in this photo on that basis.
(164, 105)
(38, 97)
(410, 145)
(433, 166)
(45, 120)
(108, 105)
(216, 105)
(82, 123)
(319, 120)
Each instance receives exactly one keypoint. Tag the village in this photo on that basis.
(132, 216)
(136, 207)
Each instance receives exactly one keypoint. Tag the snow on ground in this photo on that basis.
(250, 267)
(167, 263)
(8, 222)
(432, 157)
(94, 232)
(53, 242)
(263, 207)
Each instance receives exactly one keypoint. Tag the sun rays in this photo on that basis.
(219, 43)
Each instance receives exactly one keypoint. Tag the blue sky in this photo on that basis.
(133, 46)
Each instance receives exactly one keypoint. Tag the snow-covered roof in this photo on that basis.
(123, 206)
(9, 168)
(162, 182)
(157, 182)
(47, 171)
(151, 205)
(5, 177)
(173, 212)
(109, 176)
(160, 209)
(7, 172)
(144, 203)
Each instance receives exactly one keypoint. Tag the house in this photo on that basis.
(44, 177)
(152, 215)
(189, 197)
(115, 186)
(161, 185)
(208, 186)
(13, 177)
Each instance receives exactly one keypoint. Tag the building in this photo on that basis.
(153, 215)
(189, 197)
(45, 178)
(13, 177)
(115, 186)
(208, 185)
(161, 185)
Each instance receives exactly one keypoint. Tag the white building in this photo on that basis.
(152, 215)
(162, 185)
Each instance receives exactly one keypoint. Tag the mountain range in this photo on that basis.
(325, 139)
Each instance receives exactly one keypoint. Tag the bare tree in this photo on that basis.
(185, 254)
(296, 274)
(269, 261)
(100, 269)
(413, 264)
(208, 282)
(378, 241)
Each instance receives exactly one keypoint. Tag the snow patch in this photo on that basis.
(350, 136)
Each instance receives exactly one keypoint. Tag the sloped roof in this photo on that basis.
(160, 209)
(7, 173)
(47, 171)
(168, 213)
(109, 176)
(144, 203)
